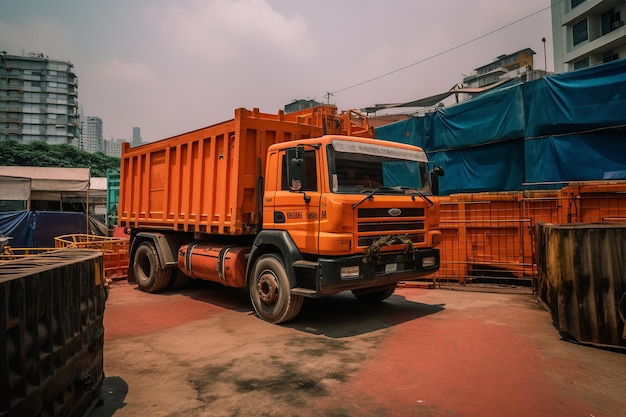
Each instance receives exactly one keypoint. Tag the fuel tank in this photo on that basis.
(215, 262)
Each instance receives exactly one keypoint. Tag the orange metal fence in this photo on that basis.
(9, 253)
(115, 251)
(488, 238)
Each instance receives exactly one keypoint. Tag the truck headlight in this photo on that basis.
(348, 272)
(428, 262)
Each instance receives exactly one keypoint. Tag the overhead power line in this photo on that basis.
(444, 52)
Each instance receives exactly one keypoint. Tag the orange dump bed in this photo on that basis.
(206, 180)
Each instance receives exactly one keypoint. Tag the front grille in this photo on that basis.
(389, 226)
(375, 223)
(365, 213)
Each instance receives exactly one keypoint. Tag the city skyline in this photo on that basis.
(175, 66)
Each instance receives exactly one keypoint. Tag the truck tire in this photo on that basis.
(270, 291)
(374, 295)
(147, 268)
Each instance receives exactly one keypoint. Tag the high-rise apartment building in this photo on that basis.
(136, 136)
(587, 32)
(91, 135)
(38, 99)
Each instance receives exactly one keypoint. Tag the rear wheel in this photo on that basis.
(270, 291)
(375, 294)
(147, 268)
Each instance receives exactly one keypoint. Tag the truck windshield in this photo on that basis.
(357, 167)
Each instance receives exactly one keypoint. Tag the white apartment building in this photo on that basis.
(587, 32)
(91, 135)
(38, 99)
(113, 147)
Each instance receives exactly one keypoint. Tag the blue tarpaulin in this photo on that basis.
(577, 101)
(37, 229)
(504, 158)
(492, 117)
(18, 226)
(576, 157)
(565, 127)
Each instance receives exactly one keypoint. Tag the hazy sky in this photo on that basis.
(170, 66)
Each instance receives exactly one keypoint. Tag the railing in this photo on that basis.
(115, 251)
(488, 238)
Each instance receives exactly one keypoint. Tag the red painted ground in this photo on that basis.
(131, 312)
(494, 363)
(423, 353)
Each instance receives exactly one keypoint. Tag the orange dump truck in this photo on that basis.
(288, 206)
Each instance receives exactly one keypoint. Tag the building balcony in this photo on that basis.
(10, 119)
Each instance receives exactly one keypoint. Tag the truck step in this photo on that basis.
(303, 291)
(305, 264)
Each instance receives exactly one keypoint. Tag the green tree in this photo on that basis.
(41, 154)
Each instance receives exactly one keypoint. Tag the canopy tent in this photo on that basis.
(36, 228)
(39, 183)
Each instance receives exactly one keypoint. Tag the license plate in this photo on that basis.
(391, 268)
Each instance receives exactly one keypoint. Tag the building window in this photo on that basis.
(611, 21)
(610, 56)
(576, 3)
(583, 63)
(579, 32)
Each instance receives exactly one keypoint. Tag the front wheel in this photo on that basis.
(374, 294)
(270, 291)
(147, 268)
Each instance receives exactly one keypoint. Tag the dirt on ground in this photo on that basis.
(202, 351)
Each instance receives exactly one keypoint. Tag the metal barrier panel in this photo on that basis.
(486, 239)
(489, 238)
(582, 280)
(51, 312)
(115, 251)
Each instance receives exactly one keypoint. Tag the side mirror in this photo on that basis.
(434, 179)
(295, 168)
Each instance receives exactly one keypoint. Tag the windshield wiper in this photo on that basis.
(407, 191)
(413, 191)
(367, 197)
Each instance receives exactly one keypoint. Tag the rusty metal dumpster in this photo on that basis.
(582, 280)
(51, 312)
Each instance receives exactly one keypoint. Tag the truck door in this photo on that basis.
(297, 200)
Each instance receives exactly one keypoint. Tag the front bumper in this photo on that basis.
(385, 269)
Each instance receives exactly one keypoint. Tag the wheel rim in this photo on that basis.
(267, 288)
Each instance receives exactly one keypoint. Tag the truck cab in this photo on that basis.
(342, 213)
